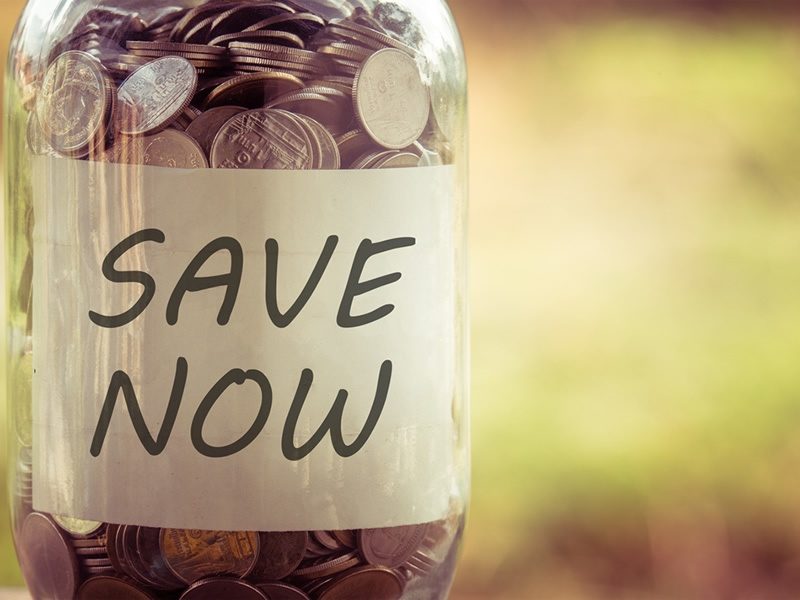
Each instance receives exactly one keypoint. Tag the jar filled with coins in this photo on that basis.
(237, 340)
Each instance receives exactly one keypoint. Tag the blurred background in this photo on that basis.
(636, 287)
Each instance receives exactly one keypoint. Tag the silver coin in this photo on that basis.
(156, 95)
(169, 148)
(391, 101)
(261, 139)
(75, 104)
(204, 127)
(330, 159)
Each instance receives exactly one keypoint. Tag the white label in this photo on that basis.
(235, 363)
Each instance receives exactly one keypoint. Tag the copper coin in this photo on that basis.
(253, 91)
(223, 589)
(281, 553)
(327, 539)
(205, 127)
(193, 554)
(282, 591)
(135, 567)
(375, 583)
(111, 547)
(156, 95)
(391, 547)
(346, 537)
(261, 139)
(106, 588)
(148, 548)
(75, 104)
(47, 559)
(392, 103)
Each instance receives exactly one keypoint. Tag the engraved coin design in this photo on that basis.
(392, 102)
(75, 104)
(261, 139)
(206, 126)
(155, 95)
(193, 554)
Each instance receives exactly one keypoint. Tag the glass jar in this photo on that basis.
(237, 327)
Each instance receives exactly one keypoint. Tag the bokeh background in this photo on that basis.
(636, 296)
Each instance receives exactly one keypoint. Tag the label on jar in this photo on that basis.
(244, 350)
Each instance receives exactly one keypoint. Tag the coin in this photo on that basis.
(193, 554)
(169, 148)
(281, 37)
(329, 150)
(106, 588)
(34, 136)
(79, 528)
(352, 145)
(281, 553)
(398, 160)
(261, 139)
(177, 48)
(390, 547)
(48, 562)
(131, 560)
(148, 549)
(328, 567)
(282, 591)
(365, 582)
(155, 95)
(253, 91)
(75, 104)
(392, 103)
(206, 126)
(227, 589)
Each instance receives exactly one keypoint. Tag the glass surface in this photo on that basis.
(321, 48)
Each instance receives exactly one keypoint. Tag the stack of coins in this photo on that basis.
(253, 85)
(236, 85)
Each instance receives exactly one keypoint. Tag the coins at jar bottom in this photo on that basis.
(143, 563)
